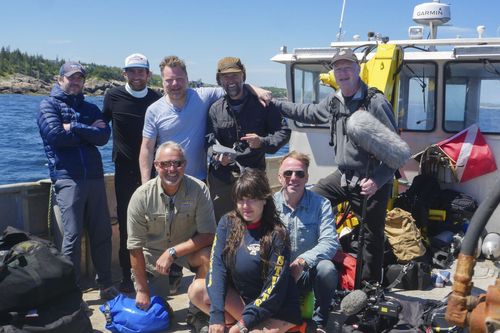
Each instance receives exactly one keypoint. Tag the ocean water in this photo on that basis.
(22, 158)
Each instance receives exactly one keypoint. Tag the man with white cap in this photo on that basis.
(125, 106)
(71, 129)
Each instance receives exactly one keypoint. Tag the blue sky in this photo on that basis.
(201, 32)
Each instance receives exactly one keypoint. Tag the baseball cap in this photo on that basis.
(230, 65)
(344, 54)
(136, 60)
(71, 67)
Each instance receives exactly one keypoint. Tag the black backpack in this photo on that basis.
(422, 195)
(38, 291)
(459, 208)
(32, 273)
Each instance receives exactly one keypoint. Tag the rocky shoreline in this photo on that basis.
(23, 84)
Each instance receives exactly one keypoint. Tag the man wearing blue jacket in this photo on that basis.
(71, 130)
(310, 223)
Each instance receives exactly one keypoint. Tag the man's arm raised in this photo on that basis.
(263, 95)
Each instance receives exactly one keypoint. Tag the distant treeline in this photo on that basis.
(12, 62)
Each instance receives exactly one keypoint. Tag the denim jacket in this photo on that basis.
(311, 227)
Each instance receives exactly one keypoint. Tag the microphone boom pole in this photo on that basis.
(361, 235)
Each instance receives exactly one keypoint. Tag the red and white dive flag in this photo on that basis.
(471, 153)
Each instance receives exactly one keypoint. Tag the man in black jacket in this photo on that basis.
(239, 121)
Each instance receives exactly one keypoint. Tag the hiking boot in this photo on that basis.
(126, 286)
(108, 293)
(199, 321)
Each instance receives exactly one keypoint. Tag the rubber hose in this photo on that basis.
(480, 219)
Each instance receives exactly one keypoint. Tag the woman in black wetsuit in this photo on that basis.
(249, 283)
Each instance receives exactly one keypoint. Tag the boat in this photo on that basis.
(438, 88)
(443, 86)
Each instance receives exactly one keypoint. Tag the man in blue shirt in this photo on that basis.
(313, 237)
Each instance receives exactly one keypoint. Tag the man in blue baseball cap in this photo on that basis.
(71, 129)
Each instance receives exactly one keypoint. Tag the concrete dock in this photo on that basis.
(485, 274)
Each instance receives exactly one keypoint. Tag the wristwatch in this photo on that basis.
(172, 252)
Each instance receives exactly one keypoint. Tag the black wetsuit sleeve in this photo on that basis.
(274, 291)
(217, 275)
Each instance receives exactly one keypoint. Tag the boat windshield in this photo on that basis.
(307, 86)
(472, 96)
(417, 96)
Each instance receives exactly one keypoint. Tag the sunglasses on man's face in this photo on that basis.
(167, 164)
(298, 173)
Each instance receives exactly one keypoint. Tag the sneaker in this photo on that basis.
(320, 329)
(199, 321)
(108, 293)
(313, 327)
(126, 286)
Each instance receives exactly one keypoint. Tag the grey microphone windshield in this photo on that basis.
(354, 302)
(377, 139)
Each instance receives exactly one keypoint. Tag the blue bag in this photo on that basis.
(123, 316)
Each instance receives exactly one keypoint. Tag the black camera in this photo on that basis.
(378, 303)
(379, 312)
(240, 146)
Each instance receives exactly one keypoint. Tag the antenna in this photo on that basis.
(339, 35)
(480, 30)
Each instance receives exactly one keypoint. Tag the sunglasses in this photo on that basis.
(168, 164)
(298, 173)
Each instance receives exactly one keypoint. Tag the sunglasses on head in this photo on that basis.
(298, 173)
(167, 164)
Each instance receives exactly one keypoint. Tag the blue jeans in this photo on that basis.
(83, 203)
(322, 279)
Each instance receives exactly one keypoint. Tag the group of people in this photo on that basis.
(254, 254)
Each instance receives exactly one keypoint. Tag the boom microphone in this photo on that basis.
(354, 302)
(377, 139)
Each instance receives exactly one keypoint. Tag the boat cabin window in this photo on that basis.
(472, 96)
(417, 96)
(307, 86)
